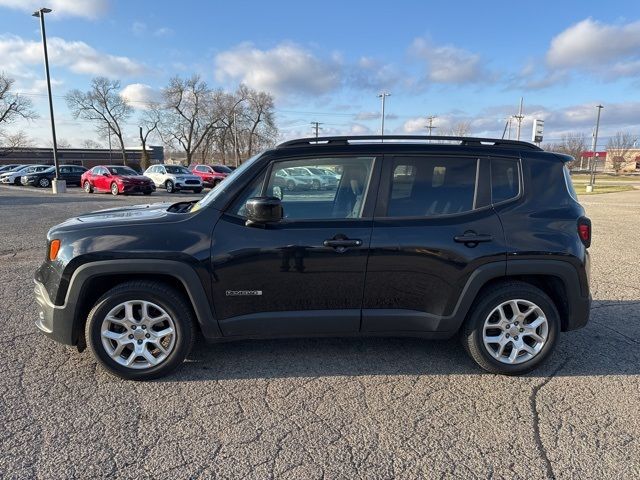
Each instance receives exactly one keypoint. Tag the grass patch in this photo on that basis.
(584, 178)
(580, 189)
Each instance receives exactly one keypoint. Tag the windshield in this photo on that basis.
(124, 171)
(223, 186)
(177, 169)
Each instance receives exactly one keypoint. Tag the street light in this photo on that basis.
(383, 96)
(592, 177)
(58, 186)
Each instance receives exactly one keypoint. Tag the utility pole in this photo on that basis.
(594, 143)
(235, 136)
(58, 186)
(519, 117)
(316, 127)
(430, 126)
(109, 134)
(383, 96)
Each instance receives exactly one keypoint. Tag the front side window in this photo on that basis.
(505, 180)
(305, 196)
(432, 186)
(174, 169)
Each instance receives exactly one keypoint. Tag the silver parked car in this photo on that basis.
(174, 178)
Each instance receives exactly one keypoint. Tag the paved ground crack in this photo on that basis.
(533, 399)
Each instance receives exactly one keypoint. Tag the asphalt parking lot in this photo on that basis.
(321, 408)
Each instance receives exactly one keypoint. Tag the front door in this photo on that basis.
(304, 275)
(434, 226)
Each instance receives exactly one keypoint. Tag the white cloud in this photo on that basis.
(139, 28)
(163, 32)
(73, 8)
(449, 64)
(593, 44)
(18, 55)
(371, 74)
(140, 95)
(285, 69)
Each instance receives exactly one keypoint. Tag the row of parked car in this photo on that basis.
(119, 179)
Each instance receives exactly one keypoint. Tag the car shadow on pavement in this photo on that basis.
(608, 345)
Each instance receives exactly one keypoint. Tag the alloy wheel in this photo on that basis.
(44, 182)
(515, 331)
(138, 334)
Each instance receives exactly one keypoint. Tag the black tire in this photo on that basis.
(216, 183)
(472, 330)
(169, 186)
(87, 187)
(44, 182)
(147, 193)
(315, 185)
(197, 190)
(114, 191)
(159, 293)
(17, 181)
(290, 186)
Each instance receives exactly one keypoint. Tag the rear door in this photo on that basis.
(433, 227)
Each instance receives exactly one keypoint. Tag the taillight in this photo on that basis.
(584, 231)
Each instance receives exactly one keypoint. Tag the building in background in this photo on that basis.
(87, 157)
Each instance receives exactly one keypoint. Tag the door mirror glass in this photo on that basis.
(263, 210)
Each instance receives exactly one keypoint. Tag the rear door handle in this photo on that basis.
(473, 238)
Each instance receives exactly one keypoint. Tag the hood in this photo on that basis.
(154, 212)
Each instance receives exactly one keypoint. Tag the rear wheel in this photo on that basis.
(114, 189)
(140, 330)
(512, 329)
(44, 182)
(87, 187)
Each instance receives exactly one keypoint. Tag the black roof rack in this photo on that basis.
(466, 141)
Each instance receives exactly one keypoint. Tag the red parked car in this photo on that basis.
(211, 175)
(116, 179)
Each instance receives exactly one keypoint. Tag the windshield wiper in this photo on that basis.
(182, 207)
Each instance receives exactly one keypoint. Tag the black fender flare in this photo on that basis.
(181, 271)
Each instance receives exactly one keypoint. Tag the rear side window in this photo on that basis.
(505, 180)
(431, 186)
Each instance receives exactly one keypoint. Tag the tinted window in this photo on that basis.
(202, 168)
(424, 186)
(221, 169)
(126, 171)
(62, 169)
(505, 180)
(175, 169)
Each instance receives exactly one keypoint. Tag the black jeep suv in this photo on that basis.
(423, 237)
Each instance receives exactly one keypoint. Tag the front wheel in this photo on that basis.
(87, 187)
(114, 189)
(512, 329)
(169, 186)
(140, 330)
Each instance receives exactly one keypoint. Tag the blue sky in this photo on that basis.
(464, 61)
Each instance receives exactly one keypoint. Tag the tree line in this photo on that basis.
(193, 121)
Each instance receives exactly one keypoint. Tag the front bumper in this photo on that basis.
(56, 322)
(138, 188)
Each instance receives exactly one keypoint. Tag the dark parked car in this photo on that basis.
(70, 173)
(479, 238)
(116, 179)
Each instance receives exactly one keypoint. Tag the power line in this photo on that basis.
(430, 125)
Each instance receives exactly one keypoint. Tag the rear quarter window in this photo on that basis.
(505, 179)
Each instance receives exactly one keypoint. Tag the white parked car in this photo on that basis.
(174, 178)
(14, 176)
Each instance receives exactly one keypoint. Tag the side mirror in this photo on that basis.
(263, 210)
(106, 174)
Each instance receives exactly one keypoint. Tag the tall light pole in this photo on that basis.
(594, 143)
(58, 186)
(383, 96)
(518, 117)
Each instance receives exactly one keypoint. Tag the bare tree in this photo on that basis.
(186, 119)
(12, 105)
(149, 124)
(103, 105)
(60, 143)
(13, 141)
(460, 129)
(91, 144)
(573, 144)
(618, 147)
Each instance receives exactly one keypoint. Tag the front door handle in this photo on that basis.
(342, 243)
(471, 239)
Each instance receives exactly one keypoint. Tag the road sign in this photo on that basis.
(538, 129)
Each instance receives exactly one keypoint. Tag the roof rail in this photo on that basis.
(466, 141)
